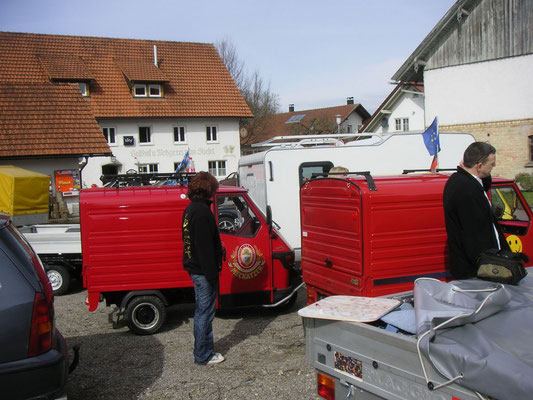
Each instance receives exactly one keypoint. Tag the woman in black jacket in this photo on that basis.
(202, 258)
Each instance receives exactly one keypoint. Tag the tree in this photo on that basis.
(258, 95)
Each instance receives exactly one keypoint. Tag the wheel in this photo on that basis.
(59, 278)
(226, 224)
(145, 314)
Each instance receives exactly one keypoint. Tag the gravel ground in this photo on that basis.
(264, 349)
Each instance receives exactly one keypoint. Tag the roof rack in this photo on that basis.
(366, 174)
(146, 179)
(302, 140)
(410, 171)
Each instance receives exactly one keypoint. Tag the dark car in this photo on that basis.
(33, 354)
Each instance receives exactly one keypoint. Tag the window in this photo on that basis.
(179, 134)
(154, 90)
(348, 129)
(507, 204)
(139, 90)
(211, 133)
(398, 124)
(405, 124)
(217, 168)
(84, 88)
(144, 90)
(235, 217)
(402, 124)
(145, 135)
(307, 170)
(146, 168)
(109, 134)
(531, 148)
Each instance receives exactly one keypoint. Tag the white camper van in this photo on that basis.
(274, 176)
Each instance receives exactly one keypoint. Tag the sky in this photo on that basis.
(312, 53)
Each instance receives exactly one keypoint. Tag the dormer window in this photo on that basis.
(154, 90)
(147, 90)
(139, 90)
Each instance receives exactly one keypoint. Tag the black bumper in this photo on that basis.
(42, 376)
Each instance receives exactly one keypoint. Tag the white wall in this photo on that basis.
(407, 105)
(354, 120)
(163, 151)
(481, 92)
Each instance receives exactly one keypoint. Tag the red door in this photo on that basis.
(246, 276)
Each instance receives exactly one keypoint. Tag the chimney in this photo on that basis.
(155, 56)
(349, 100)
(291, 107)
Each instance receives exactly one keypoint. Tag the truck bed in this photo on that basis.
(372, 362)
(54, 238)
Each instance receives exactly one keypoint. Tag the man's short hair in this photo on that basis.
(203, 184)
(477, 152)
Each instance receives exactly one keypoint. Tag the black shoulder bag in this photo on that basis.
(501, 266)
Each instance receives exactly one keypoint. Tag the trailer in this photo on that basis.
(274, 176)
(463, 340)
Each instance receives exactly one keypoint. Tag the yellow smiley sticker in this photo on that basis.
(514, 243)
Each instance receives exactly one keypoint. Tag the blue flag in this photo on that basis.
(182, 167)
(431, 138)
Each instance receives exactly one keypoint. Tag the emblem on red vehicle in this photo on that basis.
(246, 261)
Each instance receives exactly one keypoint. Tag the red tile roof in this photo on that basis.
(44, 119)
(276, 124)
(197, 84)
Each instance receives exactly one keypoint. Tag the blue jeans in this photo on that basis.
(205, 296)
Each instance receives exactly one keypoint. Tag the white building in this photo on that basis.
(401, 111)
(476, 66)
(151, 100)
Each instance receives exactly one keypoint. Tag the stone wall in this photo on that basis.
(510, 138)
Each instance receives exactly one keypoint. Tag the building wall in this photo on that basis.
(510, 138)
(354, 120)
(493, 29)
(408, 105)
(163, 151)
(495, 90)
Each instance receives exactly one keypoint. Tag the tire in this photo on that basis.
(226, 224)
(59, 278)
(145, 315)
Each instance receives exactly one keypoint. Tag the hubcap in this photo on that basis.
(55, 278)
(145, 316)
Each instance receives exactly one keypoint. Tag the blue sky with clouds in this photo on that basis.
(313, 53)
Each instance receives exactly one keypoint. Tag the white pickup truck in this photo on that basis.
(59, 248)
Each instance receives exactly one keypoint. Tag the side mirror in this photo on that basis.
(269, 218)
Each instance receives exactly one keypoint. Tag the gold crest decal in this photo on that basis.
(246, 261)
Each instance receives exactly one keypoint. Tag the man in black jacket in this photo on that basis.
(471, 224)
(202, 258)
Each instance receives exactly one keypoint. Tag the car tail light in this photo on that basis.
(43, 278)
(325, 386)
(41, 333)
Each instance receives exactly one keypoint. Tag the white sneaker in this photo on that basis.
(216, 358)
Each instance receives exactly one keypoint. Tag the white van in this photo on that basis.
(274, 176)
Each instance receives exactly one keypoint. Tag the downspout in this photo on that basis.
(82, 165)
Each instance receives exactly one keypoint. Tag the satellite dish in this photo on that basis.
(243, 132)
